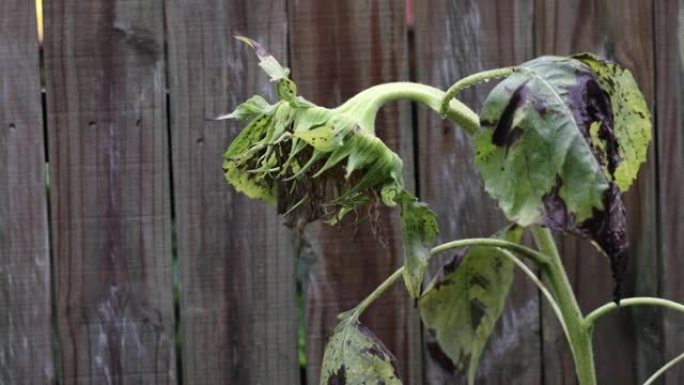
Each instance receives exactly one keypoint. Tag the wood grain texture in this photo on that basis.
(338, 48)
(627, 344)
(669, 125)
(454, 39)
(237, 308)
(25, 292)
(110, 191)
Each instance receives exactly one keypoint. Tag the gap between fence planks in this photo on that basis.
(237, 282)
(25, 295)
(337, 49)
(453, 40)
(110, 191)
(626, 344)
(669, 70)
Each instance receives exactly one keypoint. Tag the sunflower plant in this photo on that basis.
(557, 143)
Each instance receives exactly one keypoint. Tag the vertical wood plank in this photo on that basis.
(338, 48)
(627, 343)
(455, 39)
(25, 292)
(669, 125)
(238, 312)
(110, 191)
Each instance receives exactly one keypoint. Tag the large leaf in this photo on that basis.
(354, 356)
(464, 301)
(548, 152)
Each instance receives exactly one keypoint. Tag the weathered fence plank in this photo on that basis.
(25, 311)
(454, 39)
(669, 125)
(627, 344)
(110, 193)
(237, 301)
(337, 49)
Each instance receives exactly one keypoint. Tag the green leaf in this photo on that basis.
(354, 356)
(419, 227)
(462, 304)
(631, 117)
(548, 152)
(254, 106)
(241, 157)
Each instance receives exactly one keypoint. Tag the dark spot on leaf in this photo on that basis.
(477, 311)
(438, 355)
(540, 107)
(338, 378)
(479, 280)
(590, 103)
(375, 350)
(442, 282)
(501, 135)
(452, 264)
(607, 228)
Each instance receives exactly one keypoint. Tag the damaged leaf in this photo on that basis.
(549, 152)
(462, 304)
(354, 356)
(419, 226)
(631, 117)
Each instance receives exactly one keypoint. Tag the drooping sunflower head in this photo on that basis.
(311, 162)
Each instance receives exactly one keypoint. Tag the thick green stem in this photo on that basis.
(578, 332)
(472, 80)
(636, 301)
(368, 102)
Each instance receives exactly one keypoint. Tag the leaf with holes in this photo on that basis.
(354, 356)
(548, 152)
(462, 304)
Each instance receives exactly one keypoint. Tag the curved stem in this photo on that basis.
(635, 301)
(471, 80)
(368, 102)
(665, 367)
(387, 283)
(534, 255)
(578, 333)
(540, 285)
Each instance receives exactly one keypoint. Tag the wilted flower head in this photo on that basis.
(313, 162)
(319, 163)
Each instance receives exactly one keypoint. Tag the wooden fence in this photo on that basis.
(88, 293)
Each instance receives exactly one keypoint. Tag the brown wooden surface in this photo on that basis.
(670, 96)
(454, 39)
(337, 49)
(627, 344)
(112, 160)
(25, 328)
(237, 308)
(110, 191)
